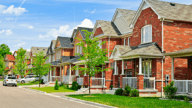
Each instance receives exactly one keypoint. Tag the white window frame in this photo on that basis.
(100, 41)
(143, 37)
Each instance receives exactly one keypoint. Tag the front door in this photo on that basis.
(128, 72)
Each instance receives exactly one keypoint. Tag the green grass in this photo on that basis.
(51, 89)
(1, 79)
(19, 84)
(133, 102)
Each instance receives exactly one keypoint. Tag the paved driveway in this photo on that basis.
(14, 97)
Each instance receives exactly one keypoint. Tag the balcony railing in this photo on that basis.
(98, 81)
(54, 78)
(67, 79)
(149, 83)
(130, 81)
(183, 86)
(80, 81)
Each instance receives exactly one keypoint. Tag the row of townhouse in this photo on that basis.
(147, 49)
(10, 59)
(150, 47)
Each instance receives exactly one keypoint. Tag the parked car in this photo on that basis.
(27, 79)
(10, 80)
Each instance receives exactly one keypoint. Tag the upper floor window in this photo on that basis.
(7, 64)
(124, 41)
(146, 34)
(58, 54)
(49, 58)
(79, 49)
(100, 46)
(53, 57)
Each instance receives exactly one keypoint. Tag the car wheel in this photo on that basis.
(22, 82)
(3, 84)
(15, 85)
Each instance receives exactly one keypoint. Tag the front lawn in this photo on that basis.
(132, 102)
(51, 89)
(20, 84)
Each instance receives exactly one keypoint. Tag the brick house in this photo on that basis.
(9, 63)
(157, 30)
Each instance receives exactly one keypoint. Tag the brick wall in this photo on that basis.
(98, 31)
(147, 17)
(76, 41)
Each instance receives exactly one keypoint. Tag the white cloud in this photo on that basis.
(86, 23)
(8, 19)
(66, 30)
(20, 44)
(28, 49)
(6, 32)
(12, 10)
(93, 11)
(26, 25)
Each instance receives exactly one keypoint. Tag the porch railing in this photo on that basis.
(67, 79)
(54, 78)
(183, 86)
(80, 81)
(98, 81)
(149, 83)
(130, 81)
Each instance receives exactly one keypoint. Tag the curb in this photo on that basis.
(71, 99)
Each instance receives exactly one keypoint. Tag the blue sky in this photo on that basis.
(26, 23)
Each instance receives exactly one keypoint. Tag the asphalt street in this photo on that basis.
(15, 97)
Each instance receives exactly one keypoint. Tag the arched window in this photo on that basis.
(146, 34)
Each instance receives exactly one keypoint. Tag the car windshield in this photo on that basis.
(11, 77)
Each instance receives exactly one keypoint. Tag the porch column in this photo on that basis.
(77, 71)
(122, 68)
(70, 76)
(140, 65)
(63, 70)
(50, 75)
(60, 74)
(172, 70)
(85, 73)
(115, 67)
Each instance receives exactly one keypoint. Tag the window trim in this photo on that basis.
(142, 33)
(124, 41)
(128, 41)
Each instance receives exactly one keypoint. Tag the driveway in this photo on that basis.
(14, 97)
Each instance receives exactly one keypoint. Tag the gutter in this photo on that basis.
(108, 46)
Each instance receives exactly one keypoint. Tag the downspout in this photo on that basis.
(162, 60)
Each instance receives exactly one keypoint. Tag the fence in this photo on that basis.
(80, 81)
(98, 81)
(149, 83)
(183, 86)
(54, 78)
(130, 81)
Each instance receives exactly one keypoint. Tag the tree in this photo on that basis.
(93, 56)
(2, 66)
(39, 66)
(4, 49)
(20, 62)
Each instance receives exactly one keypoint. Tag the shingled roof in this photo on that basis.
(50, 50)
(170, 10)
(65, 42)
(82, 32)
(127, 14)
(108, 28)
(10, 57)
(38, 49)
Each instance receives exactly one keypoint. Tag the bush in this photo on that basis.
(127, 90)
(61, 84)
(111, 87)
(67, 85)
(119, 91)
(169, 90)
(125, 93)
(75, 85)
(134, 93)
(41, 81)
(56, 87)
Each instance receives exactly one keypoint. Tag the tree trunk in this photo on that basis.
(39, 81)
(89, 87)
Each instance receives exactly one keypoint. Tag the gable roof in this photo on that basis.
(10, 57)
(180, 12)
(183, 52)
(107, 27)
(82, 32)
(50, 50)
(65, 42)
(38, 49)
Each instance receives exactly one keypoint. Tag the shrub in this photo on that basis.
(125, 93)
(67, 85)
(111, 87)
(61, 84)
(127, 89)
(134, 93)
(56, 87)
(75, 85)
(41, 81)
(169, 90)
(119, 91)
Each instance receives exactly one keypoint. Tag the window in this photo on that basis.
(6, 64)
(58, 54)
(53, 57)
(100, 41)
(128, 41)
(146, 34)
(49, 58)
(79, 49)
(146, 68)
